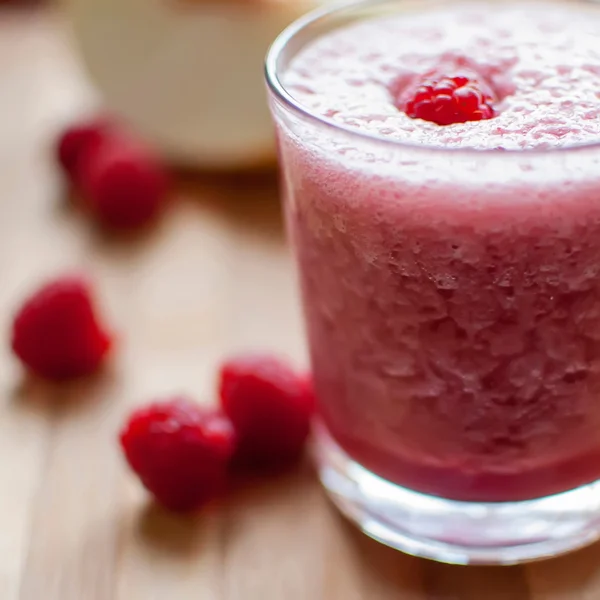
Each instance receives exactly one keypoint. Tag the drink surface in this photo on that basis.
(541, 59)
(453, 299)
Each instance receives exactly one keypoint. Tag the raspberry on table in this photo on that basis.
(446, 99)
(180, 451)
(57, 335)
(123, 182)
(270, 406)
(76, 141)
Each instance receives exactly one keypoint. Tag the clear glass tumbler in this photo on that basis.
(452, 305)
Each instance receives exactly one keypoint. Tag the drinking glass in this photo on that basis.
(452, 309)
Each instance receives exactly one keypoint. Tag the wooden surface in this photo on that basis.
(213, 277)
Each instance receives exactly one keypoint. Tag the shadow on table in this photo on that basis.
(572, 576)
(248, 201)
(64, 398)
(177, 534)
(378, 572)
(169, 533)
(575, 575)
(433, 580)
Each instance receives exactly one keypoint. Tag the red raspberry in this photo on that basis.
(124, 183)
(446, 100)
(56, 333)
(270, 406)
(76, 141)
(180, 451)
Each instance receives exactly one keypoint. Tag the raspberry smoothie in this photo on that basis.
(450, 273)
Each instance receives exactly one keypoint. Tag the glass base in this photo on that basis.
(455, 532)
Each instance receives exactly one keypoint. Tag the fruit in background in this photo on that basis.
(183, 452)
(57, 334)
(180, 451)
(122, 181)
(187, 75)
(270, 406)
(76, 140)
(124, 184)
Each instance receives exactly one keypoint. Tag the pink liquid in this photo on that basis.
(452, 299)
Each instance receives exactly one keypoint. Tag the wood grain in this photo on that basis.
(214, 277)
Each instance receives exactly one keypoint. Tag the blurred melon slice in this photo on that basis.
(187, 75)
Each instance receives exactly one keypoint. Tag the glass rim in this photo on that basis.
(281, 93)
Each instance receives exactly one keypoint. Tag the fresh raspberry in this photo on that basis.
(448, 99)
(124, 183)
(180, 451)
(57, 334)
(78, 139)
(270, 407)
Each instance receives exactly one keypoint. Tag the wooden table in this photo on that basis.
(214, 277)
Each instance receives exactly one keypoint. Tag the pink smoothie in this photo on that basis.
(453, 296)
